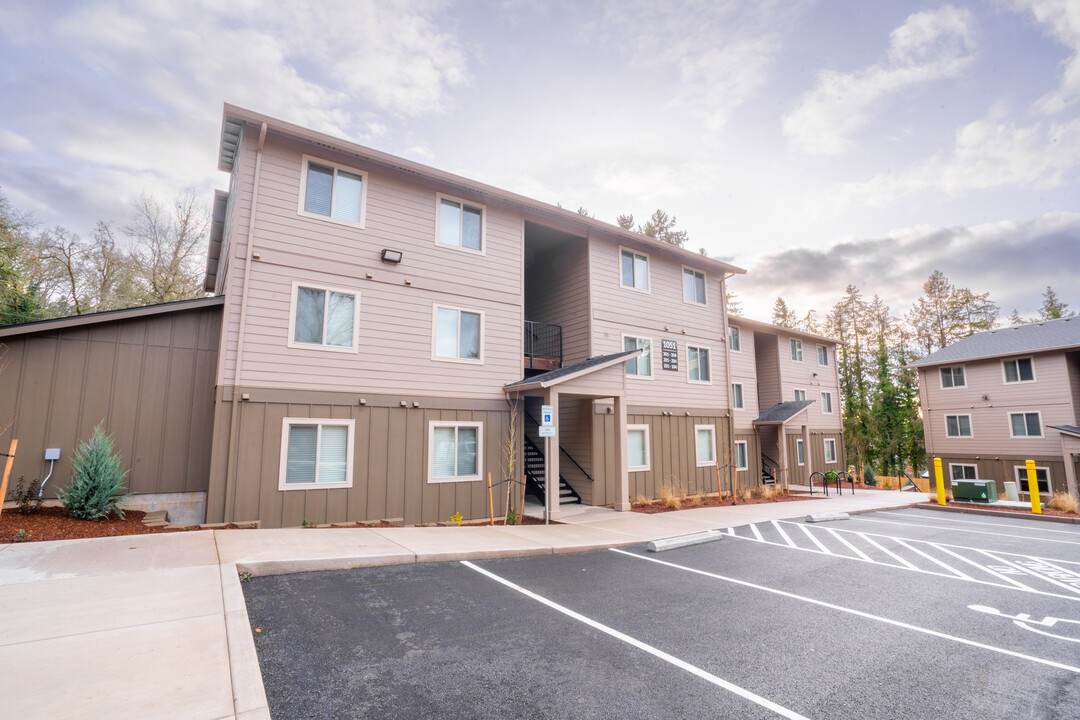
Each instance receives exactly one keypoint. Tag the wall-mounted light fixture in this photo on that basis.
(391, 256)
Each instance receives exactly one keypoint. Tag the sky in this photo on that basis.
(816, 144)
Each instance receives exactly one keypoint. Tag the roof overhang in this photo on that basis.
(783, 413)
(776, 329)
(40, 326)
(570, 372)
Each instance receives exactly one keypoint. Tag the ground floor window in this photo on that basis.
(316, 453)
(637, 447)
(1042, 475)
(830, 451)
(706, 444)
(740, 455)
(963, 472)
(800, 452)
(455, 450)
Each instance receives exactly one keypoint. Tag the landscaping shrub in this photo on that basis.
(26, 496)
(97, 479)
(868, 476)
(1063, 501)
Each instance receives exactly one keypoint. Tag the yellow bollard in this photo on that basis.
(940, 481)
(1033, 488)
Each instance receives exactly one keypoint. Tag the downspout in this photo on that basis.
(234, 420)
(727, 366)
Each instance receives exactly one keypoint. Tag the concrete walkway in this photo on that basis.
(156, 626)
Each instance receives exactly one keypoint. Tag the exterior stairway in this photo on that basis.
(534, 476)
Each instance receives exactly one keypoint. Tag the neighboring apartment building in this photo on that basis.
(998, 398)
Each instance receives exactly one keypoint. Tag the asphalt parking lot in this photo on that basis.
(897, 614)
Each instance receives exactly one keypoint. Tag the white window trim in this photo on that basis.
(1004, 377)
(648, 270)
(825, 450)
(301, 201)
(738, 332)
(795, 397)
(945, 419)
(746, 456)
(798, 445)
(435, 307)
(284, 456)
(682, 277)
(712, 440)
(941, 382)
(792, 342)
(826, 349)
(648, 453)
(952, 465)
(293, 299)
(698, 347)
(1025, 413)
(822, 401)
(652, 353)
(479, 425)
(1020, 472)
(742, 393)
(439, 197)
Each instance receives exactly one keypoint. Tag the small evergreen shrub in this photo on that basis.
(97, 479)
(868, 476)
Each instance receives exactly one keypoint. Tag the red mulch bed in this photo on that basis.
(714, 501)
(1046, 509)
(54, 523)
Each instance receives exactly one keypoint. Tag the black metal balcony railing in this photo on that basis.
(543, 346)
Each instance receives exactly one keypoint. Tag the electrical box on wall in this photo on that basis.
(52, 453)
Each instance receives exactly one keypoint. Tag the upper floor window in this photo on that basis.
(796, 350)
(635, 269)
(823, 355)
(458, 334)
(953, 377)
(461, 224)
(737, 396)
(733, 339)
(958, 425)
(315, 453)
(640, 366)
(826, 403)
(1025, 424)
(800, 395)
(455, 451)
(333, 191)
(1019, 370)
(323, 317)
(697, 363)
(693, 286)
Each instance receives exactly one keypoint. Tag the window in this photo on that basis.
(455, 451)
(733, 339)
(1042, 477)
(1025, 424)
(1019, 370)
(641, 366)
(637, 447)
(963, 472)
(693, 283)
(800, 452)
(323, 317)
(796, 350)
(461, 224)
(830, 451)
(822, 355)
(958, 425)
(826, 403)
(952, 377)
(315, 453)
(635, 270)
(333, 191)
(697, 364)
(458, 335)
(706, 445)
(736, 396)
(800, 395)
(740, 455)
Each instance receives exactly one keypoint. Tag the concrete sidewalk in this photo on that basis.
(156, 625)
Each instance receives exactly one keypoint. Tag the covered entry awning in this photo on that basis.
(1070, 445)
(782, 413)
(598, 377)
(779, 415)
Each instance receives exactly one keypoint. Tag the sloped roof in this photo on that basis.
(1036, 337)
(758, 325)
(554, 377)
(109, 316)
(782, 412)
(1067, 429)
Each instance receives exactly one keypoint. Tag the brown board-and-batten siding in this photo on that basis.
(147, 373)
(389, 464)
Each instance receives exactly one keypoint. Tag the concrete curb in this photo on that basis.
(999, 514)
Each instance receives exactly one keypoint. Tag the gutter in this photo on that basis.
(727, 368)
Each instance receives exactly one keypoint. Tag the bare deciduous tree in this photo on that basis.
(169, 247)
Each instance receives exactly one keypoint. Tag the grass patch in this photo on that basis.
(1063, 501)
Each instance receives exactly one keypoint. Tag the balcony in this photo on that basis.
(543, 346)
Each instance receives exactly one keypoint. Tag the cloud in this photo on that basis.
(1063, 19)
(1013, 261)
(11, 142)
(928, 46)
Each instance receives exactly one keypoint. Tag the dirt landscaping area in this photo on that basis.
(669, 502)
(54, 523)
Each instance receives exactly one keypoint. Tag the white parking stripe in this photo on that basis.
(932, 559)
(683, 665)
(731, 531)
(979, 532)
(885, 550)
(854, 549)
(782, 533)
(816, 541)
(946, 518)
(1029, 571)
(996, 574)
(859, 613)
(757, 533)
